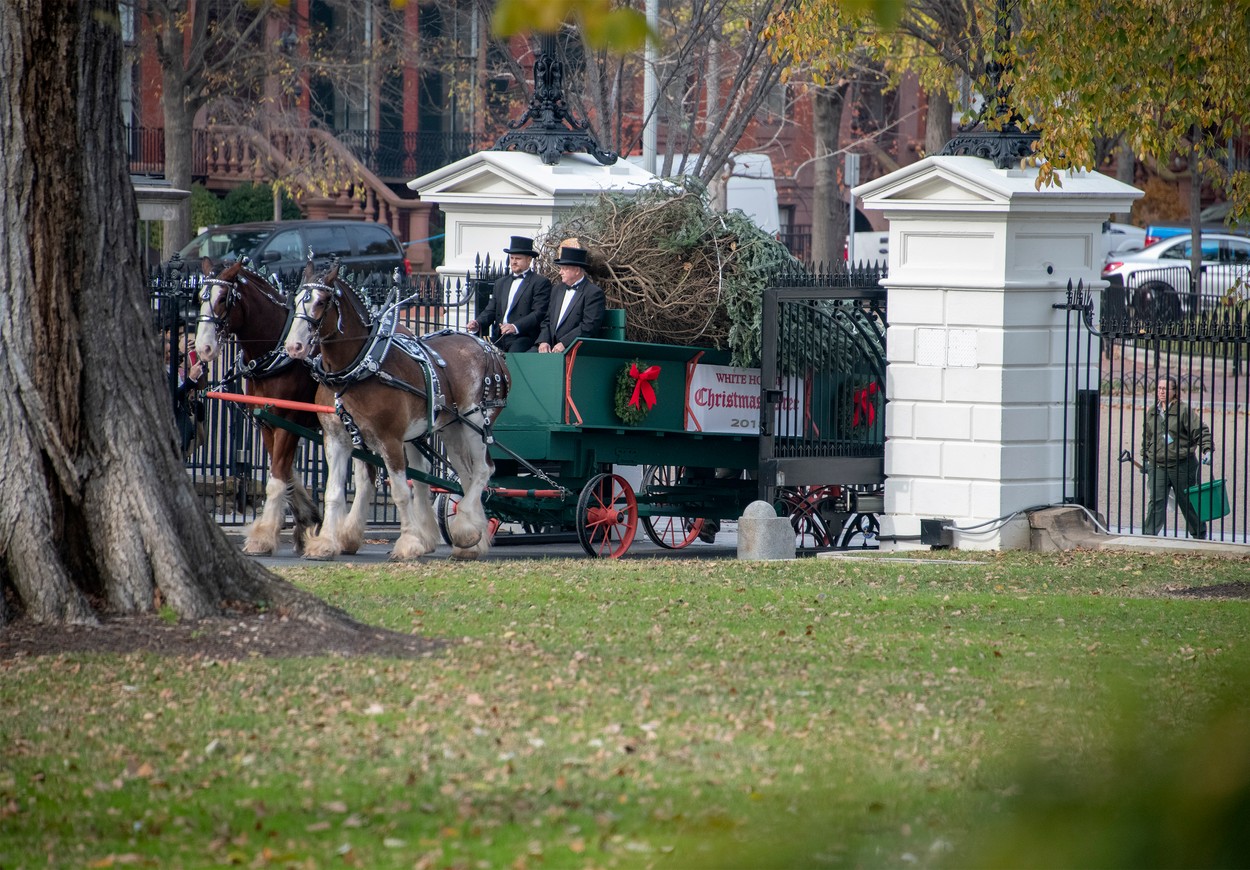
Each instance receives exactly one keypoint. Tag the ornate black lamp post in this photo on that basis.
(995, 134)
(552, 129)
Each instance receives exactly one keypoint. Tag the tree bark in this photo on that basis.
(1195, 219)
(179, 130)
(937, 122)
(1125, 170)
(97, 513)
(830, 222)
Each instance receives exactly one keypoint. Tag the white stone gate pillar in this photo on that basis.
(978, 258)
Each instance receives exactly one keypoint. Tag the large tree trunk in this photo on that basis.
(97, 512)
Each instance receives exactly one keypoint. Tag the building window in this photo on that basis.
(775, 106)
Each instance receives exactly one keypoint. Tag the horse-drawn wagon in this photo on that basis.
(610, 434)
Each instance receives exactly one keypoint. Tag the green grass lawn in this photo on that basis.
(994, 710)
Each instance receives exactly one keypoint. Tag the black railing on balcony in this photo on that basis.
(389, 155)
(798, 238)
(399, 155)
(146, 146)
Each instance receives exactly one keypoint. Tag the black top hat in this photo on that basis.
(573, 257)
(521, 245)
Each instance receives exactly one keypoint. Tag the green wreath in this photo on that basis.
(635, 395)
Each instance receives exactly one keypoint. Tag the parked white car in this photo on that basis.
(1157, 278)
(1122, 238)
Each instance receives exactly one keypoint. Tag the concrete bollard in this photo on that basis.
(764, 535)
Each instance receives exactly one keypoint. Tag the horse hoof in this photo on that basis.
(320, 552)
(258, 548)
(463, 554)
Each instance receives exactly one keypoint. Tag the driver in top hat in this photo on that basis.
(522, 294)
(577, 305)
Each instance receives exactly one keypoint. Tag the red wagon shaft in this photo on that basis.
(285, 404)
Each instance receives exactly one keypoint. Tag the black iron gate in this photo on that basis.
(822, 403)
(1117, 353)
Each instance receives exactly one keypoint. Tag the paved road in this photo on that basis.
(507, 546)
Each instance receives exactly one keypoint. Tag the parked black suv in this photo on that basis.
(365, 248)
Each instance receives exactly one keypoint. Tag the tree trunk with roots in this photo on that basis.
(97, 513)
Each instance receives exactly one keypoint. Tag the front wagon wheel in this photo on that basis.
(607, 516)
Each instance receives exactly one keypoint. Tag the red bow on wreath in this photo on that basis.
(642, 386)
(862, 402)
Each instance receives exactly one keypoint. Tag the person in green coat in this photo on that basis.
(1171, 434)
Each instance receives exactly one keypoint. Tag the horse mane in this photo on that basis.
(330, 277)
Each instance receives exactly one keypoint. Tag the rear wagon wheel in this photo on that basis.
(671, 533)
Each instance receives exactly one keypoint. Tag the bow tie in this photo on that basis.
(517, 276)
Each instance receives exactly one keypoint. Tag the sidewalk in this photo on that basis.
(1067, 528)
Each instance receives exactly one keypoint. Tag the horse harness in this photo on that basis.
(384, 335)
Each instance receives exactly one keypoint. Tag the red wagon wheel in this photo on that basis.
(672, 533)
(607, 516)
(803, 505)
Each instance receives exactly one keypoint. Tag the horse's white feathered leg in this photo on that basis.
(413, 541)
(327, 543)
(262, 537)
(468, 529)
(352, 532)
(422, 505)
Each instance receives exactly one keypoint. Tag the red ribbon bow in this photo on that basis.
(864, 404)
(643, 391)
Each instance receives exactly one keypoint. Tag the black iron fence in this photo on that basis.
(1168, 292)
(1119, 349)
(798, 240)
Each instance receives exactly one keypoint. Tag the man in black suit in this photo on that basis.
(522, 295)
(577, 305)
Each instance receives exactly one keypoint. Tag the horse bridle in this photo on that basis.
(334, 294)
(270, 363)
(206, 295)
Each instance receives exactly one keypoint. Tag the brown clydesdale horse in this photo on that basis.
(395, 390)
(241, 303)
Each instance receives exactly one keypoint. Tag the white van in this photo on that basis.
(749, 187)
(752, 190)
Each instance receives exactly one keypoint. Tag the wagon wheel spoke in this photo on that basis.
(802, 505)
(607, 516)
(670, 532)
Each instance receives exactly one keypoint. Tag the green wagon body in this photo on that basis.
(561, 417)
